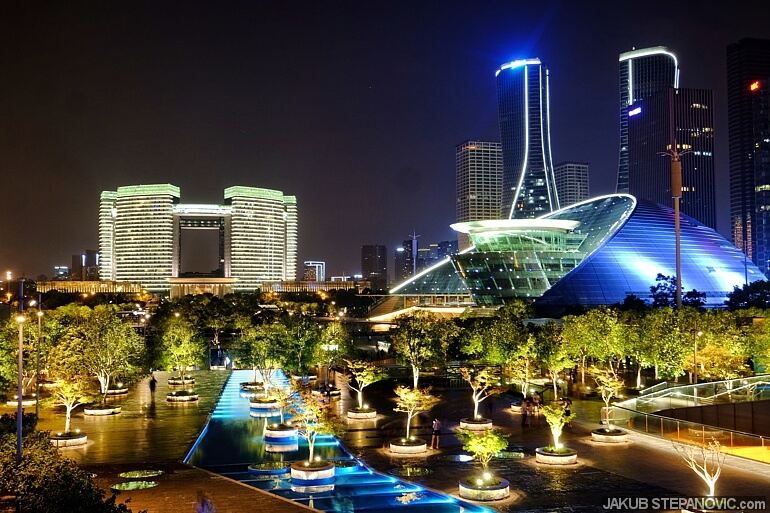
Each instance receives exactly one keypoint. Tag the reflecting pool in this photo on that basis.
(233, 439)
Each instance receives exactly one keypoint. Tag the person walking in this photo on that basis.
(434, 440)
(153, 383)
(524, 413)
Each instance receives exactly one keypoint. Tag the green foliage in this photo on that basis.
(8, 423)
(46, 482)
(299, 338)
(482, 384)
(258, 349)
(483, 445)
(556, 416)
(752, 295)
(182, 344)
(312, 417)
(422, 338)
(364, 373)
(413, 401)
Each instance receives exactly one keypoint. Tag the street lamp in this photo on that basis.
(695, 335)
(37, 358)
(19, 412)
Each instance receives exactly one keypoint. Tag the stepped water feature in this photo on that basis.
(233, 440)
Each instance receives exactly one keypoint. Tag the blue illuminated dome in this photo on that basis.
(592, 253)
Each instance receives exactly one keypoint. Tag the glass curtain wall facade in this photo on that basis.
(107, 213)
(529, 188)
(642, 73)
(687, 117)
(478, 183)
(760, 90)
(748, 60)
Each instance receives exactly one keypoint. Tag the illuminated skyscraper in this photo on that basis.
(760, 92)
(374, 265)
(748, 60)
(141, 229)
(686, 115)
(479, 183)
(642, 73)
(523, 104)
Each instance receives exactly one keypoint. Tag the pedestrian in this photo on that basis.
(568, 409)
(153, 383)
(203, 504)
(490, 406)
(434, 440)
(524, 412)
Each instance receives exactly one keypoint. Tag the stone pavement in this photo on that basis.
(154, 435)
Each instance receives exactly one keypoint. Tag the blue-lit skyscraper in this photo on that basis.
(529, 188)
(643, 72)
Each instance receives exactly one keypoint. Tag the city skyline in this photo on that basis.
(356, 111)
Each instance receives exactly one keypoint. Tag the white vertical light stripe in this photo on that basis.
(526, 140)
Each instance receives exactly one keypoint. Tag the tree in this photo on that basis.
(483, 445)
(552, 353)
(414, 401)
(609, 385)
(334, 344)
(663, 294)
(704, 460)
(556, 416)
(299, 339)
(508, 341)
(481, 382)
(257, 348)
(182, 344)
(46, 482)
(312, 417)
(71, 392)
(364, 374)
(421, 338)
(752, 295)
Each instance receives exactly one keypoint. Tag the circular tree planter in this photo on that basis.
(101, 410)
(477, 424)
(133, 485)
(254, 386)
(362, 413)
(26, 400)
(312, 473)
(408, 446)
(117, 391)
(561, 456)
(73, 439)
(282, 447)
(495, 490)
(609, 436)
(140, 474)
(346, 467)
(182, 396)
(187, 380)
(270, 470)
(264, 404)
(280, 433)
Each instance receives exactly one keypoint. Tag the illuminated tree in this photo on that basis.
(364, 374)
(414, 401)
(704, 460)
(182, 345)
(483, 445)
(609, 385)
(556, 416)
(421, 338)
(552, 353)
(312, 417)
(482, 386)
(257, 348)
(71, 392)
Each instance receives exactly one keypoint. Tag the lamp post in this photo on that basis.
(19, 412)
(37, 358)
(695, 335)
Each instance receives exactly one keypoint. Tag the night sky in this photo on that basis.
(352, 107)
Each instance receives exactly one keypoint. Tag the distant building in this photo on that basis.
(61, 273)
(571, 182)
(478, 182)
(85, 267)
(374, 265)
(643, 72)
(402, 270)
(760, 91)
(314, 271)
(523, 105)
(748, 60)
(141, 230)
(684, 115)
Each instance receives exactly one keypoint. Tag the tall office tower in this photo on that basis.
(479, 183)
(748, 60)
(314, 271)
(571, 182)
(642, 73)
(651, 130)
(374, 265)
(143, 236)
(523, 109)
(107, 213)
(405, 260)
(263, 236)
(760, 93)
(447, 248)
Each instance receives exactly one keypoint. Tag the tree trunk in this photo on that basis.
(68, 417)
(415, 375)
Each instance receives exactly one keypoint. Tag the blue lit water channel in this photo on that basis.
(233, 439)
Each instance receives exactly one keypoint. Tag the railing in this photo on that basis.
(657, 388)
(737, 443)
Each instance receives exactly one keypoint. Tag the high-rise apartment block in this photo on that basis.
(687, 117)
(141, 227)
(479, 182)
(748, 60)
(571, 182)
(523, 108)
(642, 73)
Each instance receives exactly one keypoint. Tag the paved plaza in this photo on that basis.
(151, 434)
